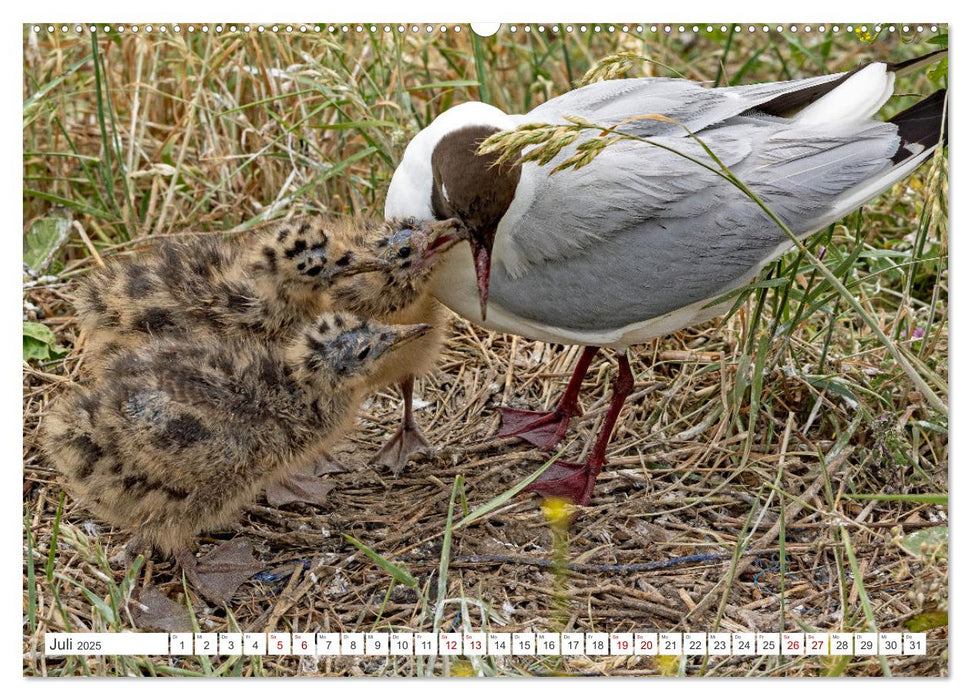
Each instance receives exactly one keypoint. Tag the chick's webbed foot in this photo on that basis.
(300, 488)
(407, 442)
(328, 464)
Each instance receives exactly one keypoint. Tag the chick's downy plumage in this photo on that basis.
(265, 283)
(180, 434)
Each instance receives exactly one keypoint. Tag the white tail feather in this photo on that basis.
(858, 98)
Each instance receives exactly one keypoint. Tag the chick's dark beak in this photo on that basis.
(363, 265)
(405, 334)
(482, 259)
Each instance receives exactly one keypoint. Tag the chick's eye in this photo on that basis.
(404, 252)
(364, 353)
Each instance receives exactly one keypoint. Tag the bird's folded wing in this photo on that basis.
(642, 231)
(692, 105)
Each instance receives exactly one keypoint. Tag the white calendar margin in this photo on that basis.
(825, 11)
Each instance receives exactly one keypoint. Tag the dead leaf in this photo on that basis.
(300, 488)
(151, 610)
(225, 568)
(329, 464)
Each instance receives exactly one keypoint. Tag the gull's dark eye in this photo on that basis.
(404, 252)
(364, 353)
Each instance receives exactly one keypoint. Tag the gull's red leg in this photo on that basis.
(546, 428)
(573, 480)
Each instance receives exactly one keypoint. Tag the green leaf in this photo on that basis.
(80, 207)
(61, 77)
(927, 620)
(835, 385)
(38, 331)
(43, 240)
(101, 607)
(923, 541)
(938, 72)
(34, 350)
(40, 343)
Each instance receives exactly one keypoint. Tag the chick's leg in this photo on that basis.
(408, 440)
(575, 481)
(546, 428)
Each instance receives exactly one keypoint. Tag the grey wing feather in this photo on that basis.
(687, 102)
(653, 232)
(557, 215)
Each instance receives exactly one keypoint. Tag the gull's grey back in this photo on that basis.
(642, 231)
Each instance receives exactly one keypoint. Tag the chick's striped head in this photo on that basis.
(409, 248)
(344, 347)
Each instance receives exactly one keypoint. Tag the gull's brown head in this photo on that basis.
(474, 189)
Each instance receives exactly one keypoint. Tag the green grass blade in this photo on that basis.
(507, 495)
(724, 57)
(398, 573)
(70, 204)
(457, 487)
(31, 581)
(443, 84)
(480, 68)
(42, 92)
(864, 596)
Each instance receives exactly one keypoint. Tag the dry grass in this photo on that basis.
(745, 441)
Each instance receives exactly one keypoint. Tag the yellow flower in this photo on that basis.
(558, 511)
(668, 665)
(462, 669)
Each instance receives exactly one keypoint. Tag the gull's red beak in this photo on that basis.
(482, 258)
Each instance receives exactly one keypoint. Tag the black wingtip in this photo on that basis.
(922, 125)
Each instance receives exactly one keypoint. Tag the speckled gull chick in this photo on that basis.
(638, 243)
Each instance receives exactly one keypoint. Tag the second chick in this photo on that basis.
(181, 435)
